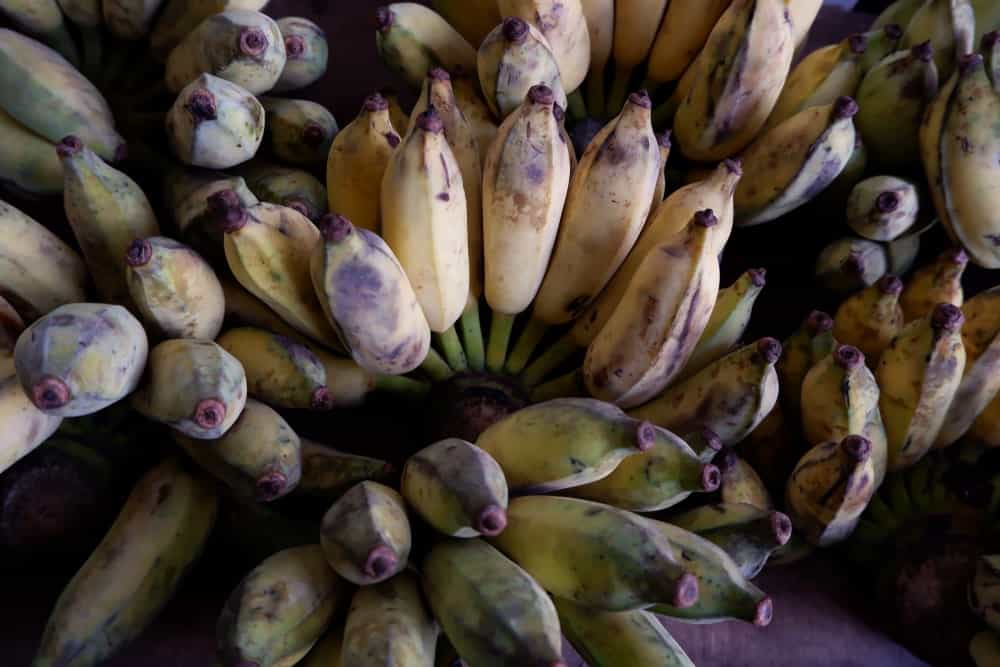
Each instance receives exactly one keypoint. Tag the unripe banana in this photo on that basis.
(279, 610)
(472, 18)
(514, 57)
(328, 473)
(81, 358)
(737, 80)
(955, 148)
(745, 378)
(25, 426)
(616, 639)
(563, 443)
(28, 162)
(791, 164)
(635, 25)
(684, 30)
(38, 272)
(424, 220)
(180, 17)
(899, 12)
(457, 488)
(193, 386)
(934, 283)
(595, 555)
(465, 85)
(870, 319)
(133, 572)
(883, 40)
(799, 353)
(298, 131)
(892, 98)
(882, 208)
(185, 194)
(389, 624)
(850, 264)
(285, 186)
(830, 489)
(949, 26)
(366, 535)
(306, 54)
(982, 595)
(740, 482)
(43, 19)
(655, 479)
(130, 20)
(565, 27)
(412, 39)
(491, 610)
(653, 331)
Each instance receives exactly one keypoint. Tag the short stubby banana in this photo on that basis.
(565, 27)
(412, 39)
(939, 281)
(306, 54)
(180, 17)
(883, 208)
(286, 186)
(298, 131)
(389, 624)
(949, 26)
(870, 319)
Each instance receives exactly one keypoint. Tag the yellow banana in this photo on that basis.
(882, 208)
(306, 54)
(799, 354)
(180, 17)
(850, 264)
(466, 88)
(600, 16)
(328, 650)
(130, 20)
(740, 482)
(949, 25)
(564, 25)
(298, 131)
(25, 426)
(158, 535)
(389, 624)
(244, 309)
(43, 19)
(616, 639)
(635, 26)
(28, 162)
(473, 19)
(684, 30)
(802, 14)
(399, 117)
(934, 283)
(412, 39)
(870, 319)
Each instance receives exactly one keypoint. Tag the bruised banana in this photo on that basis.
(740, 483)
(807, 345)
(595, 555)
(882, 208)
(685, 27)
(286, 186)
(133, 572)
(412, 39)
(564, 25)
(805, 154)
(328, 473)
(28, 162)
(949, 26)
(935, 283)
(617, 639)
(870, 319)
(493, 612)
(306, 54)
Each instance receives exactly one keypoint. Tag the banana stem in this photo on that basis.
(553, 358)
(401, 386)
(619, 91)
(595, 91)
(500, 330)
(525, 346)
(451, 346)
(472, 336)
(435, 367)
(566, 386)
(93, 46)
(577, 107)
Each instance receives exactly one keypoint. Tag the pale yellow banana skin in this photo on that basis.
(867, 216)
(616, 639)
(424, 221)
(600, 18)
(685, 29)
(243, 308)
(492, 611)
(308, 67)
(25, 426)
(474, 19)
(28, 161)
(525, 181)
(130, 19)
(802, 14)
(180, 17)
(280, 610)
(38, 272)
(134, 571)
(800, 351)
(950, 25)
(869, 320)
(564, 25)
(418, 39)
(742, 485)
(636, 23)
(654, 329)
(476, 111)
(726, 107)
(608, 202)
(934, 283)
(507, 70)
(388, 624)
(328, 650)
(358, 158)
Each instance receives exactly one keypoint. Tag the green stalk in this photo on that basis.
(595, 91)
(552, 359)
(436, 368)
(402, 386)
(619, 91)
(577, 108)
(472, 336)
(451, 346)
(500, 330)
(566, 386)
(525, 346)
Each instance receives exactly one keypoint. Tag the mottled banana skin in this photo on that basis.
(563, 443)
(81, 358)
(595, 555)
(740, 482)
(937, 282)
(870, 319)
(130, 20)
(608, 639)
(949, 25)
(328, 473)
(799, 353)
(193, 386)
(493, 612)
(285, 186)
(685, 27)
(466, 88)
(134, 571)
(28, 162)
(25, 426)
(565, 27)
(306, 54)
(279, 610)
(412, 39)
(298, 131)
(38, 272)
(180, 17)
(883, 208)
(514, 57)
(215, 124)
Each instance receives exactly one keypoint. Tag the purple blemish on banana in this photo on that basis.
(295, 46)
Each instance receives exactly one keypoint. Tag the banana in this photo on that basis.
(898, 12)
(306, 54)
(791, 164)
(850, 264)
(955, 149)
(744, 379)
(285, 186)
(11, 326)
(28, 162)
(564, 25)
(25, 426)
(279, 610)
(663, 139)
(193, 386)
(457, 488)
(918, 376)
(180, 17)
(53, 99)
(870, 319)
(836, 194)
(883, 208)
(618, 639)
(830, 489)
(883, 40)
(892, 98)
(366, 535)
(215, 124)
(298, 131)
(328, 650)
(684, 30)
(563, 443)
(350, 384)
(158, 535)
(424, 220)
(492, 611)
(130, 20)
(600, 17)
(595, 555)
(514, 57)
(635, 26)
(38, 272)
(328, 473)
(412, 39)
(982, 590)
(949, 26)
(660, 477)
(389, 624)
(737, 80)
(653, 331)
(705, 443)
(465, 85)
(934, 283)
(902, 253)
(368, 298)
(740, 482)
(802, 14)
(799, 353)
(43, 19)
(473, 19)
(358, 159)
(984, 648)
(244, 309)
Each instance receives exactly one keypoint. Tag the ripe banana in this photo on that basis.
(806, 346)
(25, 426)
(28, 162)
(883, 208)
(595, 555)
(684, 30)
(850, 264)
(366, 535)
(635, 26)
(801, 15)
(610, 639)
(870, 319)
(244, 309)
(898, 12)
(130, 20)
(492, 611)
(949, 26)
(306, 54)
(412, 39)
(328, 473)
(457, 488)
(472, 18)
(564, 25)
(465, 85)
(389, 624)
(43, 19)
(133, 572)
(663, 139)
(791, 164)
(357, 161)
(298, 131)
(934, 283)
(600, 17)
(424, 220)
(744, 379)
(740, 482)
(286, 186)
(180, 17)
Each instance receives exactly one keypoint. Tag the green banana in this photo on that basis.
(180, 17)
(564, 25)
(298, 131)
(870, 319)
(306, 54)
(882, 208)
(797, 356)
(158, 535)
(43, 19)
(949, 26)
(389, 624)
(850, 264)
(898, 12)
(620, 639)
(937, 282)
(28, 162)
(412, 39)
(285, 186)
(740, 483)
(130, 20)
(982, 596)
(328, 473)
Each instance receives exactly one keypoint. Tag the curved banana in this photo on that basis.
(850, 264)
(564, 25)
(244, 309)
(616, 639)
(306, 54)
(130, 20)
(465, 85)
(298, 131)
(898, 12)
(635, 26)
(328, 473)
(180, 17)
(389, 624)
(185, 194)
(43, 19)
(883, 208)
(934, 283)
(285, 186)
(882, 42)
(412, 39)
(28, 162)
(870, 319)
(949, 25)
(806, 346)
(740, 482)
(472, 18)
(683, 32)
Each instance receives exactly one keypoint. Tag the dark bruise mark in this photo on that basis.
(392, 138)
(62, 320)
(444, 196)
(614, 153)
(993, 238)
(966, 145)
(447, 175)
(535, 173)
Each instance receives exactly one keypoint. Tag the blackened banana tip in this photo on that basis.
(322, 399)
(438, 74)
(711, 478)
(888, 201)
(139, 252)
(858, 447)
(201, 106)
(253, 42)
(923, 52)
(758, 277)
(858, 43)
(957, 256)
(299, 206)
(706, 218)
(848, 357)
(893, 31)
(271, 486)
(515, 30)
(491, 521)
(227, 207)
(380, 562)
(781, 526)
(375, 102)
(645, 436)
(664, 139)
(50, 393)
(430, 121)
(769, 349)
(734, 165)
(640, 98)
(845, 107)
(383, 19)
(712, 440)
(947, 317)
(335, 227)
(209, 413)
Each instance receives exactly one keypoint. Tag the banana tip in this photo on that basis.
(640, 98)
(271, 486)
(726, 459)
(781, 527)
(764, 612)
(923, 52)
(313, 134)
(50, 393)
(375, 102)
(711, 478)
(758, 277)
(686, 591)
(69, 146)
(201, 105)
(299, 206)
(712, 439)
(957, 256)
(253, 42)
(848, 357)
(380, 562)
(890, 285)
(845, 107)
(383, 18)
(430, 121)
(491, 521)
(664, 139)
(335, 227)
(769, 349)
(947, 317)
(322, 399)
(706, 218)
(139, 252)
(541, 94)
(888, 201)
(734, 166)
(515, 29)
(227, 207)
(438, 74)
(857, 447)
(295, 46)
(893, 31)
(818, 322)
(209, 413)
(858, 43)
(645, 436)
